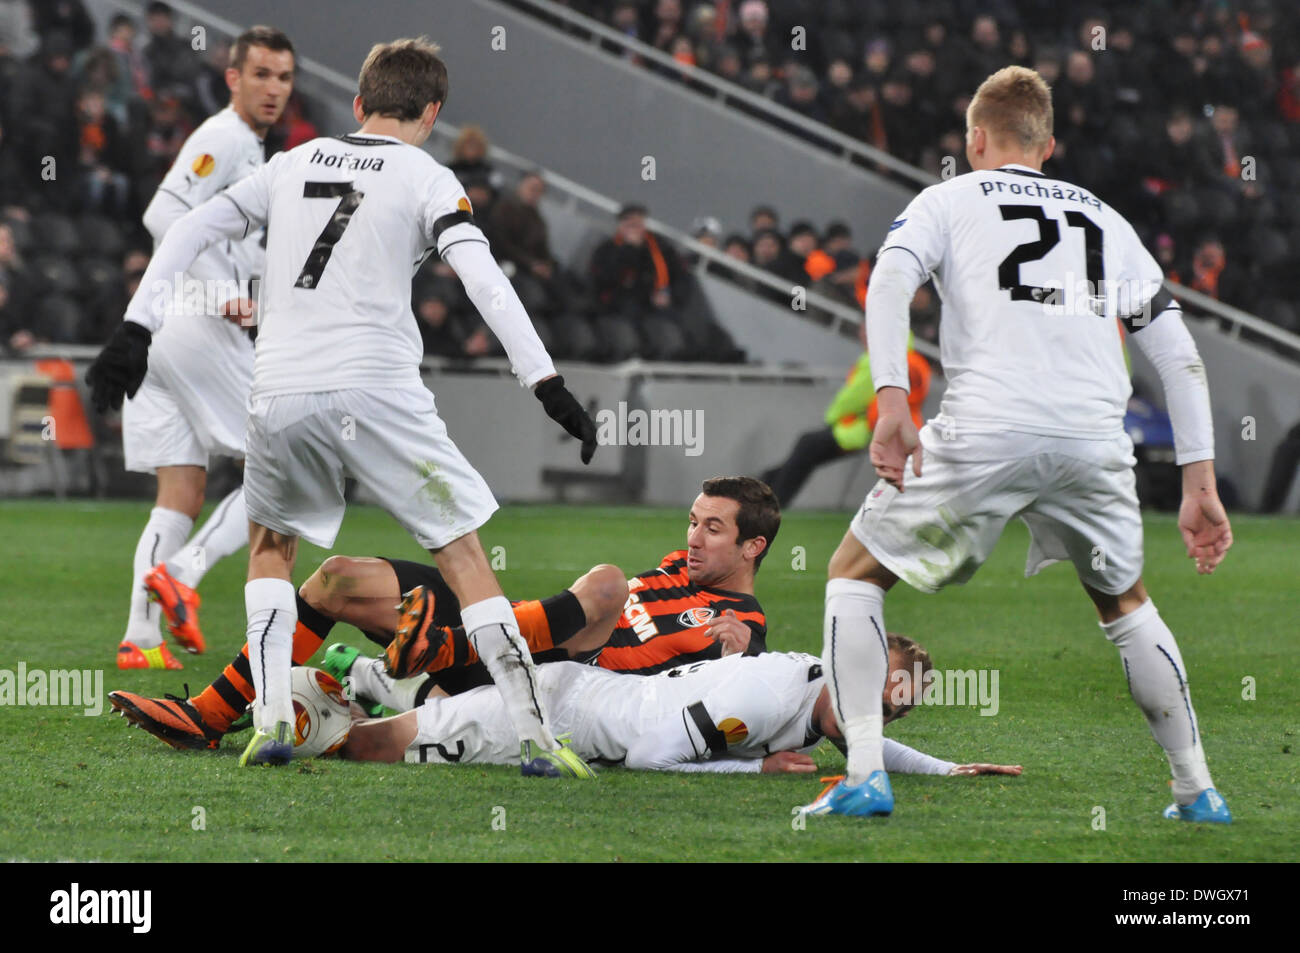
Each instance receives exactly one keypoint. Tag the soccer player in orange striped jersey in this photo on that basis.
(697, 604)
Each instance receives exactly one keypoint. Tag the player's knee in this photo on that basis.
(326, 589)
(605, 592)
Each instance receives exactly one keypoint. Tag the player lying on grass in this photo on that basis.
(697, 604)
(736, 714)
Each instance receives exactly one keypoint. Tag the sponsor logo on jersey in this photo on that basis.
(897, 223)
(695, 616)
(639, 618)
(464, 205)
(734, 730)
(204, 165)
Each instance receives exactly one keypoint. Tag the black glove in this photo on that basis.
(120, 367)
(562, 407)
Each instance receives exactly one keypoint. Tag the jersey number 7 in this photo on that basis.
(1049, 235)
(349, 199)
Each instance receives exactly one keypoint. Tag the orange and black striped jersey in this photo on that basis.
(665, 621)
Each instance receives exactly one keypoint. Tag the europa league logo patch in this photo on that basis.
(204, 165)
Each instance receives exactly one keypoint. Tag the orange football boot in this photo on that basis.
(130, 655)
(180, 604)
(417, 644)
(170, 719)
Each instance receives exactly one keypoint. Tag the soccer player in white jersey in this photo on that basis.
(761, 713)
(336, 383)
(1031, 425)
(194, 400)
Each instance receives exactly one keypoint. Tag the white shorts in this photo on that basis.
(194, 400)
(475, 728)
(392, 442)
(1077, 497)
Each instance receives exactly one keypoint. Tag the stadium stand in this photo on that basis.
(1190, 127)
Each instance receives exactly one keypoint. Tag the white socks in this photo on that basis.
(855, 655)
(272, 617)
(224, 532)
(1157, 680)
(163, 535)
(369, 680)
(494, 633)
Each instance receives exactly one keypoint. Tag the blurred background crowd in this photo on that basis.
(1184, 115)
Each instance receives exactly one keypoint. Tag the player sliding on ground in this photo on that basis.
(1031, 425)
(697, 604)
(736, 714)
(336, 385)
(193, 402)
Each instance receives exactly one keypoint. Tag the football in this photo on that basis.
(321, 716)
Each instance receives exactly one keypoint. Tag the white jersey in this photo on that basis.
(1033, 273)
(723, 715)
(223, 150)
(352, 219)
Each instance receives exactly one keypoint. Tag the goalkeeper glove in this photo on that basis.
(562, 407)
(120, 367)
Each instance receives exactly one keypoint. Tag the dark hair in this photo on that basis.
(159, 7)
(399, 79)
(627, 211)
(759, 513)
(120, 19)
(837, 230)
(764, 210)
(802, 228)
(267, 37)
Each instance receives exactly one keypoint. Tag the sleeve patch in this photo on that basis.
(203, 165)
(464, 205)
(734, 730)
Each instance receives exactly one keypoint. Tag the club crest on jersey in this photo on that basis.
(734, 730)
(698, 615)
(203, 165)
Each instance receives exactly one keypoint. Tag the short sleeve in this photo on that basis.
(1135, 293)
(920, 231)
(207, 163)
(447, 216)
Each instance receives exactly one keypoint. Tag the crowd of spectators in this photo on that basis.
(633, 296)
(1183, 114)
(89, 125)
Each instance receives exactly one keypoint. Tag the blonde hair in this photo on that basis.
(1014, 105)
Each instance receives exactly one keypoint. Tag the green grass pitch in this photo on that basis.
(89, 788)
